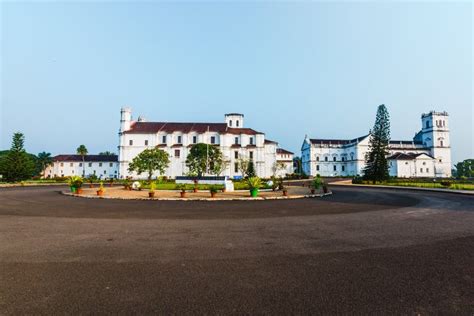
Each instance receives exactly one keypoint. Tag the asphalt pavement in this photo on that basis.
(359, 251)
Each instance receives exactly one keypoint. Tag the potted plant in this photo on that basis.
(70, 182)
(151, 192)
(213, 189)
(75, 183)
(182, 188)
(284, 190)
(254, 184)
(101, 190)
(325, 188)
(280, 183)
(126, 184)
(91, 179)
(316, 184)
(274, 183)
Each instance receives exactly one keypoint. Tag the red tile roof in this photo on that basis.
(155, 127)
(283, 151)
(267, 141)
(87, 158)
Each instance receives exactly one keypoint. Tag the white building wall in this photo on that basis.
(264, 155)
(103, 170)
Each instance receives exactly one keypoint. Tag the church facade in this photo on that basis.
(231, 136)
(427, 155)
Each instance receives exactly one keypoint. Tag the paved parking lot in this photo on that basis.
(357, 251)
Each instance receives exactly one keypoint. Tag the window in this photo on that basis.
(236, 167)
(80, 164)
(343, 168)
(343, 159)
(105, 171)
(146, 142)
(334, 158)
(236, 140)
(90, 164)
(163, 139)
(194, 139)
(213, 139)
(177, 153)
(230, 123)
(421, 170)
(94, 172)
(251, 155)
(236, 154)
(130, 142)
(427, 124)
(251, 140)
(179, 140)
(73, 172)
(427, 169)
(334, 168)
(326, 158)
(441, 143)
(237, 123)
(111, 164)
(424, 163)
(100, 164)
(317, 167)
(317, 158)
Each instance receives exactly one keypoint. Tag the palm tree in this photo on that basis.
(82, 150)
(44, 160)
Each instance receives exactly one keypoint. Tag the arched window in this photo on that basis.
(441, 143)
(317, 158)
(334, 158)
(326, 158)
(230, 123)
(427, 124)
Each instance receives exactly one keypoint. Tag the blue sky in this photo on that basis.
(316, 68)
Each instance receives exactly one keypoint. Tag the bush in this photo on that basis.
(446, 183)
(357, 180)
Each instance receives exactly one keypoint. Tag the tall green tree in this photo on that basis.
(17, 165)
(82, 150)
(150, 161)
(43, 160)
(251, 169)
(204, 158)
(465, 168)
(376, 168)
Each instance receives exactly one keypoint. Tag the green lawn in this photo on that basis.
(436, 185)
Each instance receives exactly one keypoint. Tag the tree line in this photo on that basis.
(16, 164)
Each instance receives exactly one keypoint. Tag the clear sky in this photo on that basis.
(316, 68)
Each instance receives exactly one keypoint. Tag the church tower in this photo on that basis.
(435, 136)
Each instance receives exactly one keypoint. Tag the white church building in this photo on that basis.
(231, 136)
(428, 154)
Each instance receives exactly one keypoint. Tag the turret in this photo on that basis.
(125, 119)
(435, 136)
(234, 120)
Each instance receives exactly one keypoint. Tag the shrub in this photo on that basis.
(254, 182)
(357, 180)
(446, 183)
(317, 182)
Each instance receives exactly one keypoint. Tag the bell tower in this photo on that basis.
(435, 136)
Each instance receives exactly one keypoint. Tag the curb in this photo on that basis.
(394, 187)
(293, 197)
(17, 185)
